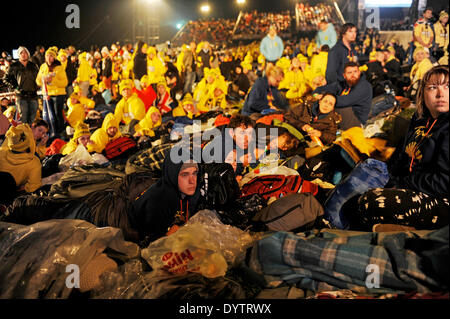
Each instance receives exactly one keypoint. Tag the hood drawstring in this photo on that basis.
(187, 211)
(419, 144)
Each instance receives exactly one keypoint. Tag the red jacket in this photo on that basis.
(147, 96)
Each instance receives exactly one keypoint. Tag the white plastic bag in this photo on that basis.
(80, 157)
(204, 245)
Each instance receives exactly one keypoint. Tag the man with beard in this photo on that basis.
(354, 97)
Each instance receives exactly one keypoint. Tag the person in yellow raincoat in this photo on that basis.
(214, 97)
(155, 66)
(210, 76)
(78, 106)
(422, 65)
(84, 74)
(441, 31)
(308, 72)
(151, 121)
(319, 61)
(81, 136)
(62, 57)
(284, 63)
(17, 157)
(294, 81)
(130, 107)
(105, 134)
(186, 108)
(55, 78)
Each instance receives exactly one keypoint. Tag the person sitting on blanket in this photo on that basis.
(163, 100)
(186, 108)
(107, 133)
(316, 118)
(417, 192)
(169, 203)
(81, 136)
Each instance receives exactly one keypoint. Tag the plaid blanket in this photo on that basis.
(406, 261)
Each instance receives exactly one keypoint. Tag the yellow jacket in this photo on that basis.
(100, 138)
(76, 112)
(131, 109)
(84, 70)
(208, 101)
(423, 31)
(419, 69)
(295, 83)
(156, 69)
(146, 125)
(441, 34)
(25, 167)
(319, 63)
(59, 81)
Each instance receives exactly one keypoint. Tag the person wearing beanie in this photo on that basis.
(80, 136)
(106, 72)
(130, 107)
(17, 157)
(441, 31)
(53, 75)
(214, 98)
(105, 134)
(169, 203)
(422, 65)
(21, 77)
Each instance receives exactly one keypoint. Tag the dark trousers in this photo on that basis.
(349, 118)
(57, 105)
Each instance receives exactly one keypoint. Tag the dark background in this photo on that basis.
(103, 22)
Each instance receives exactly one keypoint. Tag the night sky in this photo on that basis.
(30, 23)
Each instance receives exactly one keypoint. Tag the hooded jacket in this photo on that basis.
(295, 83)
(17, 157)
(76, 112)
(131, 109)
(257, 100)
(153, 213)
(338, 56)
(430, 170)
(100, 138)
(146, 125)
(23, 79)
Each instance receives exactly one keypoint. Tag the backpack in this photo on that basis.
(219, 186)
(119, 146)
(278, 186)
(294, 212)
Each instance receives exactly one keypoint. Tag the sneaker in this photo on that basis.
(383, 228)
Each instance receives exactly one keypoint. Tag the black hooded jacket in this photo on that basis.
(430, 170)
(153, 213)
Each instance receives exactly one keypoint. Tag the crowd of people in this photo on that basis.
(319, 93)
(309, 16)
(212, 30)
(254, 24)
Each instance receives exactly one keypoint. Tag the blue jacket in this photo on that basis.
(337, 58)
(257, 100)
(328, 37)
(271, 49)
(359, 97)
